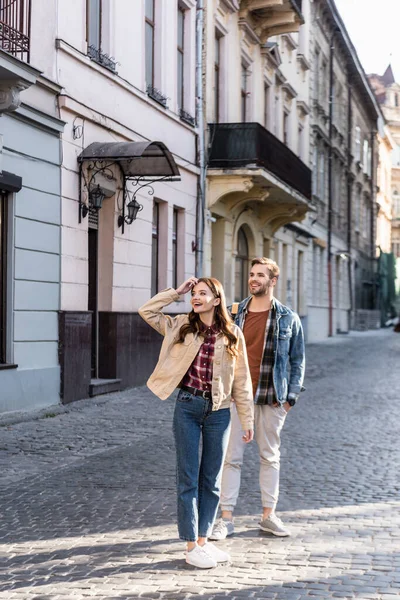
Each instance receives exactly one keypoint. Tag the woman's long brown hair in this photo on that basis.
(223, 319)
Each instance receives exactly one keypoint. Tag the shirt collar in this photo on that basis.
(213, 329)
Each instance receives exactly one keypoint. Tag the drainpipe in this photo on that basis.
(372, 223)
(330, 161)
(200, 209)
(349, 201)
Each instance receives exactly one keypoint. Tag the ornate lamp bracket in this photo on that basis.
(89, 186)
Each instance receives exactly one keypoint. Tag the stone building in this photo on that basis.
(126, 223)
(342, 274)
(257, 110)
(387, 92)
(30, 216)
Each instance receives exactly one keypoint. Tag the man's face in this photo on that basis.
(260, 281)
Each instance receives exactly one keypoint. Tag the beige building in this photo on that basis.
(342, 279)
(388, 93)
(386, 146)
(257, 110)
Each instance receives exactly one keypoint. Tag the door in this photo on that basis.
(93, 240)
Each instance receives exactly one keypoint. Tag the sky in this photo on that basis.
(374, 28)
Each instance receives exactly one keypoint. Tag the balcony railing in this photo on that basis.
(239, 145)
(15, 19)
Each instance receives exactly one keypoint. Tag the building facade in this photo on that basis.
(342, 272)
(30, 218)
(257, 112)
(125, 166)
(388, 94)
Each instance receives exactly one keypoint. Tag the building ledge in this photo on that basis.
(15, 76)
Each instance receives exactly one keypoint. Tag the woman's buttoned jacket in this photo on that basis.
(231, 375)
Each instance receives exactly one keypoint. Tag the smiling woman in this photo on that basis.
(202, 354)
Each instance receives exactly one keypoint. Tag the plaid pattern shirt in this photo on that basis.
(265, 393)
(200, 372)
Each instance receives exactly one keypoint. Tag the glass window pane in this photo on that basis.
(181, 18)
(180, 79)
(94, 23)
(149, 10)
(217, 50)
(149, 52)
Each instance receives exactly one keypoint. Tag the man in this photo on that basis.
(275, 349)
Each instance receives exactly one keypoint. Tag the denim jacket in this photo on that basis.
(289, 351)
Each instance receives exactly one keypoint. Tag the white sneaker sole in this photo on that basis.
(276, 533)
(192, 564)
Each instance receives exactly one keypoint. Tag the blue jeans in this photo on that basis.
(199, 482)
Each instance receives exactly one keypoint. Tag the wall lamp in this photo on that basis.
(96, 198)
(133, 207)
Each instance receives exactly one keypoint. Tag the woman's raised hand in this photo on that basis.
(186, 286)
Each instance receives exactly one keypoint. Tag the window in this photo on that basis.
(396, 100)
(175, 248)
(321, 179)
(266, 104)
(357, 144)
(315, 171)
(155, 248)
(300, 134)
(217, 75)
(285, 128)
(244, 92)
(3, 275)
(149, 42)
(94, 18)
(357, 210)
(241, 266)
(316, 75)
(180, 49)
(365, 156)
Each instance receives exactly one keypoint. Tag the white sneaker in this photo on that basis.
(274, 525)
(198, 557)
(216, 553)
(222, 530)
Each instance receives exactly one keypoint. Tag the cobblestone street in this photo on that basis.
(88, 495)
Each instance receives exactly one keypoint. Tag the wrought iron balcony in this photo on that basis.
(15, 19)
(241, 145)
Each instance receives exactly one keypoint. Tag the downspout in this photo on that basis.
(200, 208)
(349, 202)
(330, 160)
(372, 223)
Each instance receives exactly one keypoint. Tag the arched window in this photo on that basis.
(241, 266)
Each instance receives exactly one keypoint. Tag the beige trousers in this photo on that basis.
(269, 421)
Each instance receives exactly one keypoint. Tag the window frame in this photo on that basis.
(243, 261)
(180, 55)
(152, 24)
(100, 24)
(3, 275)
(217, 76)
(175, 246)
(155, 242)
(244, 74)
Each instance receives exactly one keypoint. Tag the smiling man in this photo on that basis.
(275, 350)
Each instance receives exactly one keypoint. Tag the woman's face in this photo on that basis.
(203, 300)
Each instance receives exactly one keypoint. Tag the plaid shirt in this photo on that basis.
(200, 371)
(265, 393)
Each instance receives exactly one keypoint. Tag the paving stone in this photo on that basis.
(88, 497)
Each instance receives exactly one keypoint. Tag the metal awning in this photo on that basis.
(136, 159)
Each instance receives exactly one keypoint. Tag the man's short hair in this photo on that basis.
(272, 267)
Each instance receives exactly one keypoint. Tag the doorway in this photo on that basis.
(93, 291)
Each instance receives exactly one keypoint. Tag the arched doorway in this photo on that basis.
(241, 266)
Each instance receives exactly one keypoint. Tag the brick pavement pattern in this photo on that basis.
(87, 496)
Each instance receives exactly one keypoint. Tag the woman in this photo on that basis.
(203, 353)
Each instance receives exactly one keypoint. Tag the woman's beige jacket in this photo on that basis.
(231, 376)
